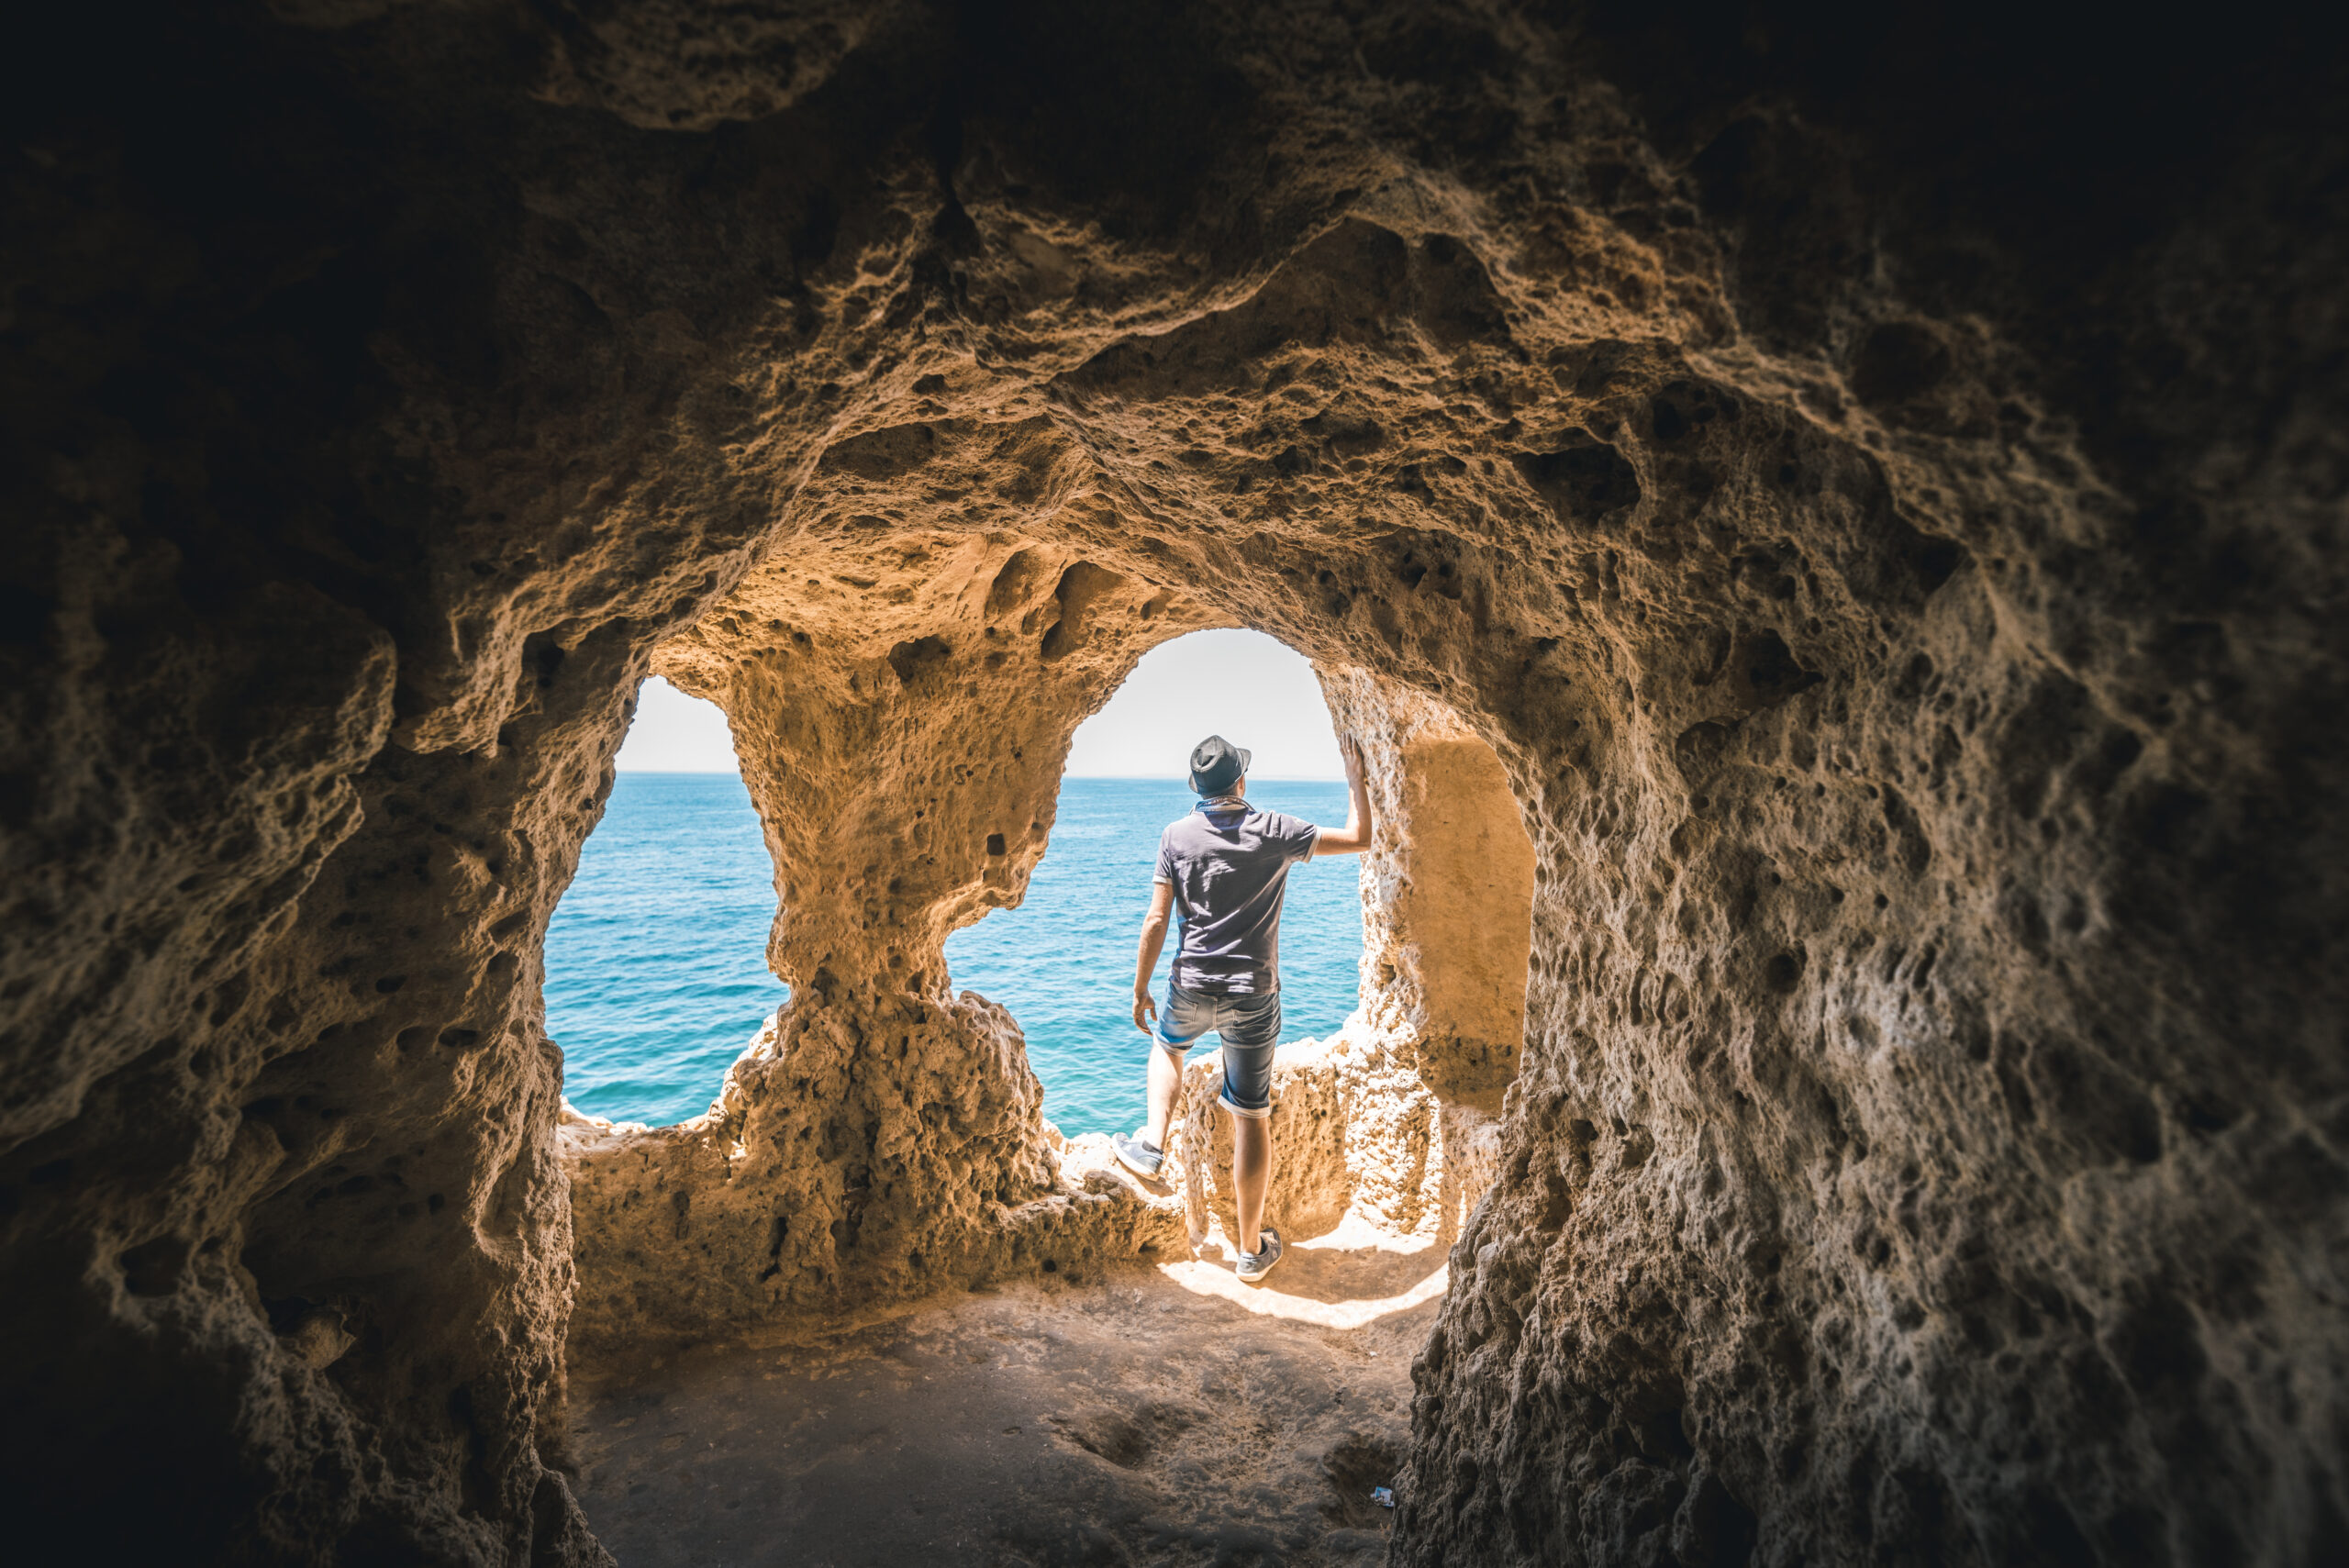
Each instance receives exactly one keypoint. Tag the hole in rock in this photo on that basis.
(656, 974)
(1063, 962)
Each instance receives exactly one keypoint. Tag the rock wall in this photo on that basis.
(1875, 488)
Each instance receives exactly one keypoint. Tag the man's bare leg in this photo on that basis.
(1252, 1174)
(1166, 1081)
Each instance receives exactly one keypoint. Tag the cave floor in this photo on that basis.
(1166, 1415)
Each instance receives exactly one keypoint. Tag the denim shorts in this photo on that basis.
(1249, 1028)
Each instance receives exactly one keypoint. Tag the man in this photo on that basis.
(1225, 867)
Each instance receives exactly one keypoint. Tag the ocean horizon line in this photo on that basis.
(656, 955)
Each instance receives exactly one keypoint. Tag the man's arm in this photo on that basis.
(1153, 938)
(1354, 836)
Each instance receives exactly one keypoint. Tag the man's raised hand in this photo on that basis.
(1354, 836)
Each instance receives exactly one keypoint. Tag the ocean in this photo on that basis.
(656, 960)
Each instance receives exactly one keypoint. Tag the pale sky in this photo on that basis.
(674, 733)
(1252, 690)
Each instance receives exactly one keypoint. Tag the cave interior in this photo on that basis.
(1828, 529)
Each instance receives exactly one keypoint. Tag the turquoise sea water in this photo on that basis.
(656, 961)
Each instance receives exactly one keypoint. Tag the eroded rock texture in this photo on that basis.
(902, 703)
(1875, 490)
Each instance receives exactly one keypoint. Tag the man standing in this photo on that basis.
(1225, 867)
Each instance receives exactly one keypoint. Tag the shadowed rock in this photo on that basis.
(1864, 501)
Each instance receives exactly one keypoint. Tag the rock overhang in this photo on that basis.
(1908, 716)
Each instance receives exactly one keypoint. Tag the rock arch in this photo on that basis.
(902, 703)
(1864, 504)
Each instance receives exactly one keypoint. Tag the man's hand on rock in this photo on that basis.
(1354, 836)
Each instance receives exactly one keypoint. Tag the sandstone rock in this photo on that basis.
(724, 1221)
(1875, 489)
(317, 1338)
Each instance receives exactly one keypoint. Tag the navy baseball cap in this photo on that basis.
(1217, 764)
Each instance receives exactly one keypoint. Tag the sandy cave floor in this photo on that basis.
(1150, 1416)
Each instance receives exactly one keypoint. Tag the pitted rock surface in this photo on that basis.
(1874, 490)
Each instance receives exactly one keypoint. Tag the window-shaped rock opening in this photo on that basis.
(1063, 962)
(656, 971)
(903, 711)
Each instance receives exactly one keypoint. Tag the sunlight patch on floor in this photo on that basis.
(1268, 1300)
(1321, 1280)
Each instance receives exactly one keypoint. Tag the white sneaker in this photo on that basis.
(1143, 1159)
(1254, 1266)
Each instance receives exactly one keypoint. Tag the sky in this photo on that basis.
(1252, 690)
(674, 733)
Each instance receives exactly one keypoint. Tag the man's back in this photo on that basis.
(1229, 867)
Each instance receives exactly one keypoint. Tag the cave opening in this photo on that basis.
(656, 973)
(1063, 961)
(765, 1213)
